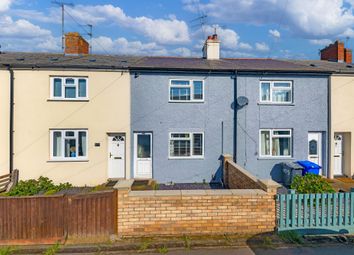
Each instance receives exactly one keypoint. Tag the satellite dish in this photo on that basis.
(242, 101)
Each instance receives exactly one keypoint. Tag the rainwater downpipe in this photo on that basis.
(11, 127)
(235, 117)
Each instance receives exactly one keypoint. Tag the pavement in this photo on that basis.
(325, 250)
(265, 244)
(322, 250)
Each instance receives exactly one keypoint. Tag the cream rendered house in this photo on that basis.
(70, 117)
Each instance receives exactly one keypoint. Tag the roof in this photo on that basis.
(50, 60)
(335, 67)
(224, 64)
(56, 60)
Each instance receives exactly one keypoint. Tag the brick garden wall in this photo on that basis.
(144, 213)
(236, 177)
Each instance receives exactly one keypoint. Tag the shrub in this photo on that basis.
(311, 183)
(33, 187)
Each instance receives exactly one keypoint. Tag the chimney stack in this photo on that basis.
(337, 53)
(75, 44)
(211, 48)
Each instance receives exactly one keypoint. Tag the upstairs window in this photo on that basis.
(186, 91)
(186, 145)
(277, 92)
(69, 88)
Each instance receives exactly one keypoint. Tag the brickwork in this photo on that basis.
(75, 44)
(145, 213)
(347, 55)
(235, 177)
(336, 52)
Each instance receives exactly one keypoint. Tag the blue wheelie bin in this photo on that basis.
(309, 167)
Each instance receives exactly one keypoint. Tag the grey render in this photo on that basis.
(308, 113)
(152, 111)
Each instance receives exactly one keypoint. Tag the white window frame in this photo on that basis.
(191, 143)
(271, 135)
(76, 136)
(190, 86)
(63, 85)
(271, 88)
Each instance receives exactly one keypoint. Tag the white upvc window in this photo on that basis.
(186, 145)
(276, 92)
(186, 90)
(69, 88)
(275, 143)
(68, 144)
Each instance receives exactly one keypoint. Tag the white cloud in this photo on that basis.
(245, 46)
(182, 51)
(122, 46)
(262, 47)
(311, 19)
(5, 5)
(229, 39)
(20, 28)
(163, 31)
(274, 33)
(320, 42)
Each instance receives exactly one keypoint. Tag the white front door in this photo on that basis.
(116, 156)
(338, 154)
(143, 155)
(315, 148)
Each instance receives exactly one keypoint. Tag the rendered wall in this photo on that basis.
(107, 110)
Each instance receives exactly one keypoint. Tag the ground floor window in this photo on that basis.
(186, 145)
(275, 142)
(68, 144)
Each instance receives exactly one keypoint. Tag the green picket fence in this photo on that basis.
(323, 212)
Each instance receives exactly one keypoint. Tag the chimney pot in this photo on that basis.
(75, 44)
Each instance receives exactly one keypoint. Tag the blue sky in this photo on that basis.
(247, 28)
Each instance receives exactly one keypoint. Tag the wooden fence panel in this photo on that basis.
(322, 212)
(48, 219)
(32, 218)
(92, 214)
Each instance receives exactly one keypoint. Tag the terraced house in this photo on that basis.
(187, 112)
(66, 117)
(88, 118)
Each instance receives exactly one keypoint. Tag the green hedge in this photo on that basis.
(42, 185)
(311, 183)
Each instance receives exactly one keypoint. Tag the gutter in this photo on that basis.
(11, 127)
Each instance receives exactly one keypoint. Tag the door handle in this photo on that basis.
(117, 157)
(110, 155)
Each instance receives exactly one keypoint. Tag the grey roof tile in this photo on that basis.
(52, 60)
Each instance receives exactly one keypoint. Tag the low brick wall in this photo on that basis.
(236, 177)
(193, 212)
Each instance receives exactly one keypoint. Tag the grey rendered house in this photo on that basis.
(187, 112)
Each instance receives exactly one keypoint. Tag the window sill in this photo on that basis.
(275, 158)
(185, 158)
(67, 100)
(188, 102)
(64, 160)
(276, 104)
